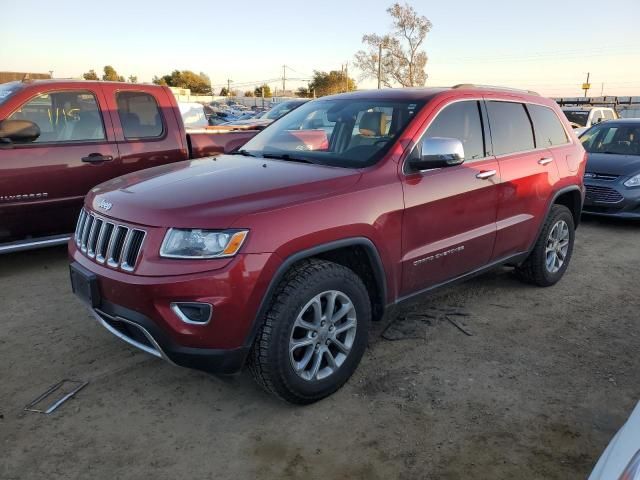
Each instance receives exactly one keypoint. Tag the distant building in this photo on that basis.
(12, 76)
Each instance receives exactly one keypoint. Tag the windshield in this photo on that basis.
(281, 110)
(7, 90)
(341, 132)
(613, 139)
(577, 116)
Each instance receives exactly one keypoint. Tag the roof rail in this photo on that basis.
(494, 87)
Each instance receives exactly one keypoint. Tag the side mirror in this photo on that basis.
(438, 152)
(19, 131)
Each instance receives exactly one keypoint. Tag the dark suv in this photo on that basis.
(281, 254)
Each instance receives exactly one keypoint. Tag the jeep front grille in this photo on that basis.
(108, 242)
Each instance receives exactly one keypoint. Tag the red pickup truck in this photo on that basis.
(60, 138)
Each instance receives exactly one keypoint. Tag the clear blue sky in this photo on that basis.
(547, 45)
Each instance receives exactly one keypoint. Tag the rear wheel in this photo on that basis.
(314, 333)
(552, 252)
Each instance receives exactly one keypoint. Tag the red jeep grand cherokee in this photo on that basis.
(281, 254)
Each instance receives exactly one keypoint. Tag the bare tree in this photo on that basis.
(396, 58)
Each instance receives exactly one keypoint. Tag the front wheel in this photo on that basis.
(552, 252)
(314, 334)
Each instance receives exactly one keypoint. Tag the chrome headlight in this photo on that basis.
(633, 181)
(198, 243)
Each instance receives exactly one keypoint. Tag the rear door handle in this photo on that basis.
(486, 174)
(545, 161)
(97, 158)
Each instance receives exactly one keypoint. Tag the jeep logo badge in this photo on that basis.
(105, 205)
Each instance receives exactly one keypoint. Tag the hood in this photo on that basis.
(621, 165)
(620, 451)
(216, 191)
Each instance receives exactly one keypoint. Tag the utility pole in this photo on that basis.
(346, 77)
(284, 78)
(586, 86)
(50, 73)
(602, 90)
(229, 87)
(262, 90)
(380, 66)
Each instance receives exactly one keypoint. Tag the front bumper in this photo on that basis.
(611, 199)
(143, 333)
(137, 309)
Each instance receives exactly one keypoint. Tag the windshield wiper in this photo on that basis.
(243, 152)
(286, 156)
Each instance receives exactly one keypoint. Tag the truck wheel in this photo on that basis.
(551, 254)
(314, 333)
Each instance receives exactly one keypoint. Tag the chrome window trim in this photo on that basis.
(497, 157)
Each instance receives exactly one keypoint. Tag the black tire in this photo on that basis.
(269, 360)
(534, 269)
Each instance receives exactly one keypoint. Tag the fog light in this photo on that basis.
(192, 312)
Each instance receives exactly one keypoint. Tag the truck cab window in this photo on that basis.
(139, 115)
(66, 116)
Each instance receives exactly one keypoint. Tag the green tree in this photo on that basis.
(403, 62)
(90, 75)
(249, 93)
(267, 91)
(303, 92)
(133, 79)
(159, 80)
(224, 92)
(199, 84)
(324, 83)
(111, 75)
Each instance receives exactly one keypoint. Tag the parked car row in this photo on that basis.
(278, 252)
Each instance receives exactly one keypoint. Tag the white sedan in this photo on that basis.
(621, 459)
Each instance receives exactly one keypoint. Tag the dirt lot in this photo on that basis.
(537, 391)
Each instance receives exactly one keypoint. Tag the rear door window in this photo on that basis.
(548, 128)
(608, 115)
(510, 127)
(65, 116)
(139, 115)
(460, 120)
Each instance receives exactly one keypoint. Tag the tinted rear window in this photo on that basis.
(510, 127)
(139, 115)
(547, 126)
(579, 117)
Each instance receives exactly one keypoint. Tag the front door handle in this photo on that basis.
(486, 174)
(545, 161)
(97, 158)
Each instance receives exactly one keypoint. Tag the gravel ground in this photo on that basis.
(536, 390)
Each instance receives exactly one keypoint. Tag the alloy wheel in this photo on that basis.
(322, 335)
(557, 246)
